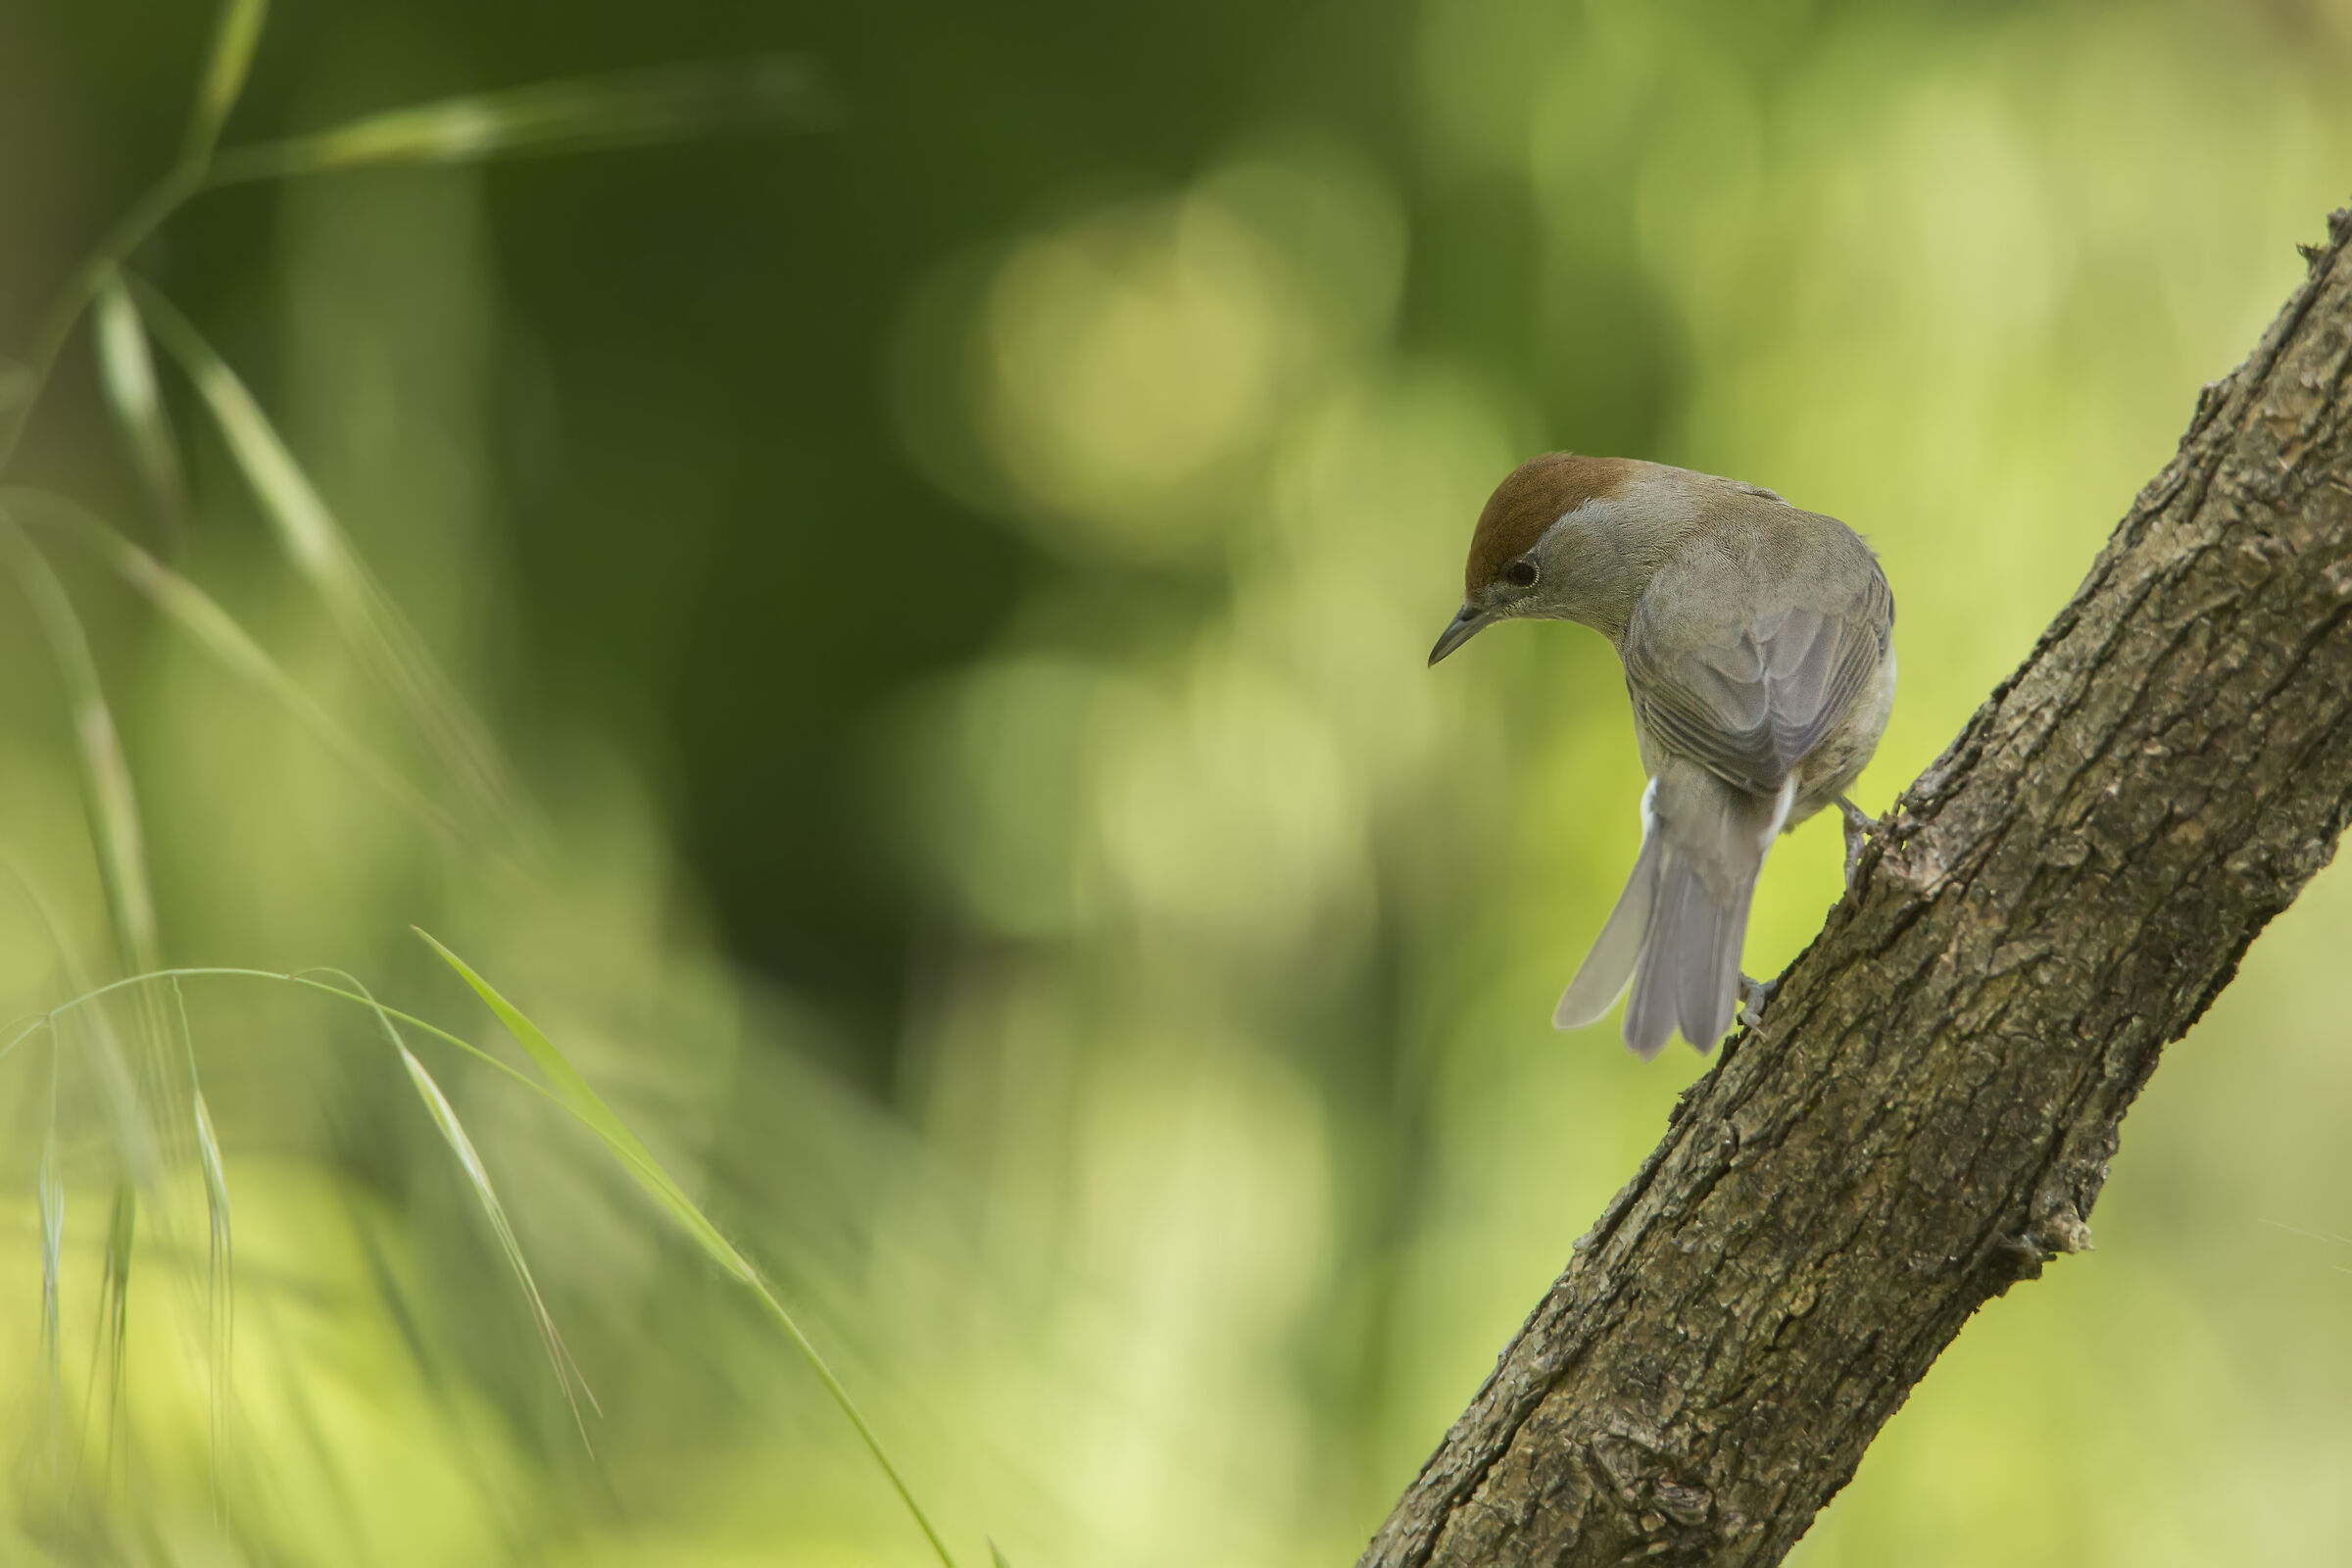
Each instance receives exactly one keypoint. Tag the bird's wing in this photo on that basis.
(1752, 696)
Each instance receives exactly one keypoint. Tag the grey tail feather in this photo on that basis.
(1602, 978)
(1710, 964)
(1688, 973)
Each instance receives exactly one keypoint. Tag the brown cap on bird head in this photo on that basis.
(1538, 494)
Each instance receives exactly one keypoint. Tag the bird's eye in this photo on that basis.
(1520, 574)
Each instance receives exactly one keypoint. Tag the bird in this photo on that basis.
(1757, 640)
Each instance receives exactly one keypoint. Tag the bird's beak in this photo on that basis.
(1463, 627)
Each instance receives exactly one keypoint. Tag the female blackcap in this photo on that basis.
(1757, 644)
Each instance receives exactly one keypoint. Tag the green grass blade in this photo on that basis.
(217, 634)
(53, 1257)
(25, 382)
(573, 1092)
(589, 1107)
(477, 1177)
(220, 1258)
(219, 1280)
(320, 552)
(113, 806)
(127, 375)
(132, 1133)
(234, 38)
(671, 103)
(996, 1555)
(110, 1358)
(215, 1190)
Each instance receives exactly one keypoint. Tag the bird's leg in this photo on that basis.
(1858, 824)
(1754, 996)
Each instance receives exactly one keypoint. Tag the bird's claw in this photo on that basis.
(1754, 996)
(1858, 824)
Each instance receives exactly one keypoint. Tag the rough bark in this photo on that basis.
(1926, 1115)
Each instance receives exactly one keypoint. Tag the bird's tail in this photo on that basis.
(1676, 932)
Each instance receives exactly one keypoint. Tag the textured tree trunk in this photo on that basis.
(1926, 1113)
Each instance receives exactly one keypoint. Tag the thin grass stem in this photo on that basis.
(236, 36)
(127, 375)
(130, 231)
(53, 1247)
(220, 1258)
(622, 109)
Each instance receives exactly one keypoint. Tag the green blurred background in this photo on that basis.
(955, 586)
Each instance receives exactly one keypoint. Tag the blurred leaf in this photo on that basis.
(671, 103)
(220, 1277)
(113, 806)
(216, 1176)
(996, 1555)
(114, 1299)
(126, 372)
(319, 550)
(589, 1107)
(477, 1176)
(53, 1248)
(218, 635)
(134, 1138)
(234, 38)
(56, 321)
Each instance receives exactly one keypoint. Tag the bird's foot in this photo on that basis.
(1754, 996)
(1858, 824)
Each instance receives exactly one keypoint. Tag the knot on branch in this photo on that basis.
(1675, 1515)
(2059, 1232)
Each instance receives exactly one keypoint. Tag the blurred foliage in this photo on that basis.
(946, 588)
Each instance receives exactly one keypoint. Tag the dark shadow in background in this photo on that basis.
(722, 553)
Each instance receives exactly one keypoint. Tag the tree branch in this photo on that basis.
(1926, 1113)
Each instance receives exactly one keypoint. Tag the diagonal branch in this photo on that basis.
(1926, 1113)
